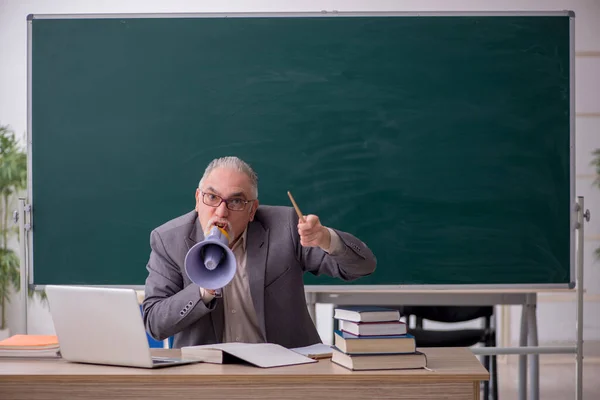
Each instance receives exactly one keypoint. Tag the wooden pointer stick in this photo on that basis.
(300, 216)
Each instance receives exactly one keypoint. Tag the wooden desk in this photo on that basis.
(456, 375)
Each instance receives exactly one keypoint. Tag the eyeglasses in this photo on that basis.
(235, 204)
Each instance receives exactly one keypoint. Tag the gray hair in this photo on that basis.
(234, 163)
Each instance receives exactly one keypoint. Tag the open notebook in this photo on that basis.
(264, 355)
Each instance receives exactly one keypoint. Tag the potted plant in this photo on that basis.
(13, 177)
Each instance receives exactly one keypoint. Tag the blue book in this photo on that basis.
(366, 314)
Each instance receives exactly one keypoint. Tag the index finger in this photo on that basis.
(309, 223)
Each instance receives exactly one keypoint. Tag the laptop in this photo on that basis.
(98, 325)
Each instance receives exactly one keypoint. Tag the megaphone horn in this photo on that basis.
(210, 263)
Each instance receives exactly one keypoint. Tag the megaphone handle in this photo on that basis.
(218, 293)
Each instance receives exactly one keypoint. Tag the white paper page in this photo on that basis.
(318, 349)
(263, 355)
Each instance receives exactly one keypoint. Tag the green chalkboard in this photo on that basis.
(443, 142)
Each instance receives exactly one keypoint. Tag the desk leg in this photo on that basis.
(523, 358)
(534, 359)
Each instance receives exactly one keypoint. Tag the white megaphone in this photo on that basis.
(210, 263)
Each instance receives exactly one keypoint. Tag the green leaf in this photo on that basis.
(13, 178)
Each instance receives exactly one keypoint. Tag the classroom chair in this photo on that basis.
(458, 337)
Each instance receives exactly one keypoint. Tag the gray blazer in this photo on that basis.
(275, 263)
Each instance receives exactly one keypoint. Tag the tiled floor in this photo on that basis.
(557, 377)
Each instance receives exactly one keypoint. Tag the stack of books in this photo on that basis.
(371, 338)
(43, 346)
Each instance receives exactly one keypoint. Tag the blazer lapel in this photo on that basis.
(256, 262)
(196, 234)
(216, 315)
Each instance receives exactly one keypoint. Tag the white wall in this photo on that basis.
(556, 312)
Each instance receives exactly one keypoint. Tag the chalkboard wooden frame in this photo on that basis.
(29, 259)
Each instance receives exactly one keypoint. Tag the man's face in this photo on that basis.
(233, 186)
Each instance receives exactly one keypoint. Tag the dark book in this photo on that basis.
(354, 344)
(366, 314)
(366, 362)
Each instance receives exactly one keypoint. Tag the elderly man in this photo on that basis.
(265, 300)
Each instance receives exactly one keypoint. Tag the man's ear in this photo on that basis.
(198, 194)
(253, 209)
